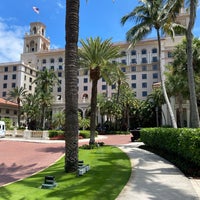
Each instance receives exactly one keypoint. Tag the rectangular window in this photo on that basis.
(6, 69)
(133, 85)
(133, 61)
(103, 80)
(144, 85)
(104, 87)
(5, 85)
(59, 89)
(85, 88)
(4, 94)
(30, 87)
(60, 67)
(123, 61)
(144, 68)
(52, 68)
(144, 76)
(14, 68)
(133, 77)
(85, 80)
(170, 55)
(5, 77)
(13, 85)
(155, 75)
(30, 80)
(133, 68)
(154, 59)
(155, 67)
(123, 69)
(144, 93)
(59, 74)
(144, 60)
(14, 76)
(113, 87)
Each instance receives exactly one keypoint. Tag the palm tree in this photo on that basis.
(71, 88)
(32, 110)
(159, 15)
(96, 54)
(59, 119)
(45, 82)
(194, 114)
(177, 80)
(18, 94)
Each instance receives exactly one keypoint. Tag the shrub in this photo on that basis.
(86, 133)
(184, 142)
(55, 133)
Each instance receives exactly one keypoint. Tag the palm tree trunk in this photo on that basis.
(71, 88)
(174, 124)
(18, 112)
(93, 111)
(194, 114)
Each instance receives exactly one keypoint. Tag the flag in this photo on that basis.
(36, 9)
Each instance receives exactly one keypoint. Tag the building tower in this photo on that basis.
(34, 42)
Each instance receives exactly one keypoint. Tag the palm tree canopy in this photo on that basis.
(149, 15)
(45, 80)
(17, 94)
(96, 53)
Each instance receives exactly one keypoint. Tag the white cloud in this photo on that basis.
(11, 41)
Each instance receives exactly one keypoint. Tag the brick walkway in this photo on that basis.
(20, 159)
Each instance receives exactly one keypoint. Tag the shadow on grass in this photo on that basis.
(110, 171)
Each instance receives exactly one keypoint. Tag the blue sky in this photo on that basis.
(97, 18)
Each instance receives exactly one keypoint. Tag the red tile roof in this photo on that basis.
(6, 102)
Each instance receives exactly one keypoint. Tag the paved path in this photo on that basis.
(153, 178)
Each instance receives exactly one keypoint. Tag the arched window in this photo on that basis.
(144, 51)
(32, 45)
(52, 60)
(34, 30)
(60, 59)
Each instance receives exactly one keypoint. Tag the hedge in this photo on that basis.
(184, 142)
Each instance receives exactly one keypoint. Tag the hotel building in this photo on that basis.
(139, 63)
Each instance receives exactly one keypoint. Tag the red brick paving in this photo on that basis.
(20, 159)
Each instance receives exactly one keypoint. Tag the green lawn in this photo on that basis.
(110, 171)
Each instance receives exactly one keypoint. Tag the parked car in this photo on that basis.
(2, 129)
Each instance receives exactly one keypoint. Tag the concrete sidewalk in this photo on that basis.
(154, 178)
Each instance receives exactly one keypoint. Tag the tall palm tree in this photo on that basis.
(18, 94)
(159, 15)
(194, 114)
(96, 54)
(71, 88)
(45, 82)
(177, 80)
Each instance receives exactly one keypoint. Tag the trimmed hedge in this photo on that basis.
(184, 142)
(83, 133)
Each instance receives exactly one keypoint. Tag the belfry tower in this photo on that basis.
(36, 40)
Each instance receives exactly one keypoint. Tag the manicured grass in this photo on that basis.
(110, 171)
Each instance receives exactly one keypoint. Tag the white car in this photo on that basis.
(2, 129)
